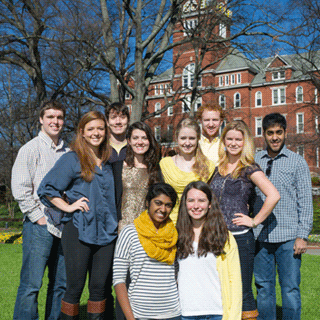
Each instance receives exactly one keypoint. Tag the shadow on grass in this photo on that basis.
(13, 238)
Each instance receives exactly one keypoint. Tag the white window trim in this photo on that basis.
(316, 122)
(156, 129)
(220, 81)
(234, 101)
(233, 79)
(224, 101)
(222, 30)
(238, 78)
(157, 107)
(317, 157)
(300, 124)
(170, 111)
(279, 77)
(279, 96)
(297, 94)
(316, 95)
(227, 80)
(156, 90)
(302, 148)
(258, 125)
(256, 99)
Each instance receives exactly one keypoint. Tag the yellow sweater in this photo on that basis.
(178, 180)
(228, 266)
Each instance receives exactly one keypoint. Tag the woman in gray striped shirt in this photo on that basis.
(147, 248)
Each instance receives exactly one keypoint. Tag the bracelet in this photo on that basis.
(253, 224)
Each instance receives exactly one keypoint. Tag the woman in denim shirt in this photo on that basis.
(85, 178)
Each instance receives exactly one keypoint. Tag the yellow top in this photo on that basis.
(228, 266)
(118, 146)
(210, 149)
(178, 179)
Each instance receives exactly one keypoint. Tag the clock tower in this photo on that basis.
(203, 31)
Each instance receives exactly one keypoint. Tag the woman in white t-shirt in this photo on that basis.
(209, 278)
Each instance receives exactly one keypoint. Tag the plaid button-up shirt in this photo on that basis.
(293, 215)
(33, 162)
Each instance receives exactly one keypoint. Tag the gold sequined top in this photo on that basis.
(135, 187)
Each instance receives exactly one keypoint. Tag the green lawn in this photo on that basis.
(10, 264)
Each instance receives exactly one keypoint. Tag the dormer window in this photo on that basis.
(278, 75)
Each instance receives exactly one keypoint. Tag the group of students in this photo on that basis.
(177, 230)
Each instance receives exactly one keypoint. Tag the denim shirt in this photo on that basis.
(98, 225)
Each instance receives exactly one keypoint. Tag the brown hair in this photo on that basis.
(51, 104)
(210, 107)
(247, 153)
(80, 146)
(214, 233)
(118, 108)
(151, 157)
(201, 164)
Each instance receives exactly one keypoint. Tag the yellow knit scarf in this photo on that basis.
(159, 244)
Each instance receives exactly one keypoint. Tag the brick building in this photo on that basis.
(246, 89)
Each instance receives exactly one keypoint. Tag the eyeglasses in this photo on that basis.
(269, 167)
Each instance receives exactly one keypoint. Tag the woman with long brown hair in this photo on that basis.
(84, 177)
(189, 164)
(209, 280)
(139, 170)
(233, 183)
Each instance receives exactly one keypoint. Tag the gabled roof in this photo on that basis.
(235, 60)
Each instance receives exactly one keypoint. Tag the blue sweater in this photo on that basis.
(97, 226)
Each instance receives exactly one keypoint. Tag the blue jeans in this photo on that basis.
(207, 317)
(40, 249)
(268, 256)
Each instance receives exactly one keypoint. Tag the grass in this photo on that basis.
(10, 265)
(316, 215)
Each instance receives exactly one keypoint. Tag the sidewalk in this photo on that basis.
(313, 250)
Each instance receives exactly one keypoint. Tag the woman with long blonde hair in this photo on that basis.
(189, 164)
(81, 185)
(233, 183)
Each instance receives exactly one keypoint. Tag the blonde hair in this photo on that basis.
(80, 146)
(201, 164)
(247, 153)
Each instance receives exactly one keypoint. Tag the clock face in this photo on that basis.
(190, 6)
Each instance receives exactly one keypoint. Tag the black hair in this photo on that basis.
(159, 188)
(273, 119)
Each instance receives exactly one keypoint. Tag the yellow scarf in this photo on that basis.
(159, 244)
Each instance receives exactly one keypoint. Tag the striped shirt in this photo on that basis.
(293, 215)
(153, 290)
(33, 161)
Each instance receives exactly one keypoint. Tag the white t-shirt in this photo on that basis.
(199, 285)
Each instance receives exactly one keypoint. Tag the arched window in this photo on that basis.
(237, 100)
(188, 76)
(299, 94)
(157, 107)
(258, 99)
(222, 101)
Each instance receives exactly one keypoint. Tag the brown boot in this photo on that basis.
(252, 315)
(69, 311)
(96, 309)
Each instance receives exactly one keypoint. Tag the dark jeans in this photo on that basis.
(40, 249)
(81, 257)
(246, 246)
